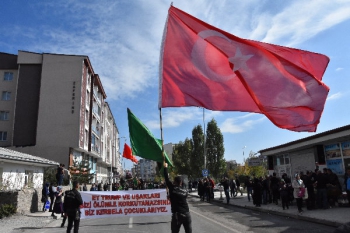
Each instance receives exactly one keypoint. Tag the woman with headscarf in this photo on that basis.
(299, 191)
(58, 207)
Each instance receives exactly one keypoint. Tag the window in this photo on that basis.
(6, 95)
(283, 159)
(3, 136)
(4, 115)
(8, 76)
(28, 178)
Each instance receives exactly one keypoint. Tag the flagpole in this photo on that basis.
(205, 150)
(161, 132)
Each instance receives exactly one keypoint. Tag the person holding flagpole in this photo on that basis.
(179, 206)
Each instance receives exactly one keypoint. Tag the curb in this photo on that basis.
(295, 216)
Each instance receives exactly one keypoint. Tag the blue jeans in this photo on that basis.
(322, 201)
(264, 196)
(227, 194)
(249, 192)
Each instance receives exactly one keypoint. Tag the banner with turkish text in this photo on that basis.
(105, 204)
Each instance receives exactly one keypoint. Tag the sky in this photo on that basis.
(122, 39)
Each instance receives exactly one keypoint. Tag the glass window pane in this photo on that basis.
(8, 76)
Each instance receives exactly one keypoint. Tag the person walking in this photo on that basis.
(249, 186)
(72, 202)
(200, 190)
(52, 190)
(58, 206)
(238, 186)
(275, 188)
(45, 194)
(233, 188)
(226, 185)
(179, 206)
(299, 192)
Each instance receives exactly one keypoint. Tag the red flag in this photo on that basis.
(134, 159)
(127, 153)
(204, 66)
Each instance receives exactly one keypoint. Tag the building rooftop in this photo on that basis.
(8, 155)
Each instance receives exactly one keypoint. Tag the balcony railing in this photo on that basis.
(95, 148)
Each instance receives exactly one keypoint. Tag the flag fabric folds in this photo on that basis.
(143, 143)
(127, 153)
(207, 67)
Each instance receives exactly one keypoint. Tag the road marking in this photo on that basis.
(130, 222)
(233, 230)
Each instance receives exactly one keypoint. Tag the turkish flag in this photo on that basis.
(207, 67)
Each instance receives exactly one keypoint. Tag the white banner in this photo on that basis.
(104, 204)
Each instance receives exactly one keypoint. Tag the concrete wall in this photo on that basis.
(26, 201)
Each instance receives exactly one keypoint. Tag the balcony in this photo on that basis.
(95, 148)
(95, 130)
(96, 97)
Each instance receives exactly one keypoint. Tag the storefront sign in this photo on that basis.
(336, 166)
(332, 151)
(345, 146)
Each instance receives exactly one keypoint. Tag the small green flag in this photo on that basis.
(143, 143)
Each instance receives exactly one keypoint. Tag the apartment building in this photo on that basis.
(53, 106)
(145, 169)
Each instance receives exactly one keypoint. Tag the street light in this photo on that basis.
(243, 152)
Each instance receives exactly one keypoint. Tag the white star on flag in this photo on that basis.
(239, 60)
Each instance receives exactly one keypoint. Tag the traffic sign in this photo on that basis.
(205, 172)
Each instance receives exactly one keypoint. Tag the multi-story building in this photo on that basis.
(53, 106)
(146, 169)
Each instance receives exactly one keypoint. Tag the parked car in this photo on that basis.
(218, 187)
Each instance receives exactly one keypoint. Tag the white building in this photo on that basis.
(19, 170)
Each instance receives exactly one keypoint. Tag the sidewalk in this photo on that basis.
(333, 217)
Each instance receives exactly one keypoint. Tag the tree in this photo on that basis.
(181, 157)
(215, 150)
(81, 171)
(197, 155)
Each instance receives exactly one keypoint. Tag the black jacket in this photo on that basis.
(72, 202)
(178, 196)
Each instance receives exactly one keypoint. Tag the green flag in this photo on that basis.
(143, 143)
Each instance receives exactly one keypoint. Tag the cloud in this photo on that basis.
(240, 124)
(339, 69)
(335, 96)
(175, 117)
(302, 20)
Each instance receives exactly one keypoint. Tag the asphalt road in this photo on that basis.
(206, 218)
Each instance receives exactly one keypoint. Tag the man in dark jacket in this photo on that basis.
(226, 185)
(52, 190)
(72, 204)
(179, 207)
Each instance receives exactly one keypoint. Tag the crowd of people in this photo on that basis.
(318, 189)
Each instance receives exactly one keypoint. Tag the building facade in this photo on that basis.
(145, 169)
(54, 107)
(330, 149)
